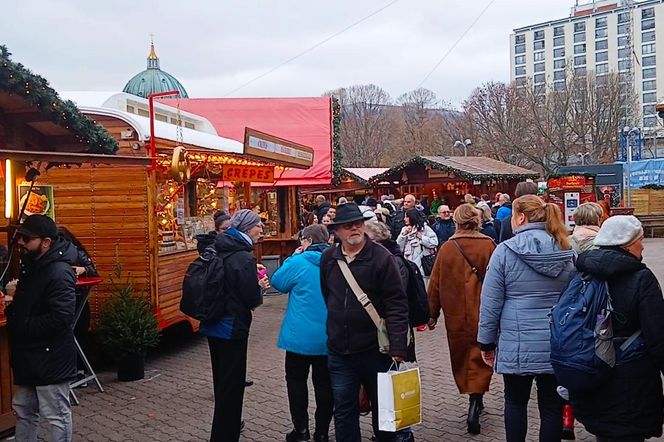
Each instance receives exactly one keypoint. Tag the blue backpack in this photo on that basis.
(583, 348)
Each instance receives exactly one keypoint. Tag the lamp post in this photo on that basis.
(582, 157)
(465, 143)
(153, 143)
(630, 135)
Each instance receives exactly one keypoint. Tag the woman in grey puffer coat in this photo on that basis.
(524, 280)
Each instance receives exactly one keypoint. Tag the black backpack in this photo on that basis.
(418, 301)
(202, 287)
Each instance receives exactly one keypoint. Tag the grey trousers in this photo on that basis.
(51, 403)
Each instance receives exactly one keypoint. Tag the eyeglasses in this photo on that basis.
(348, 226)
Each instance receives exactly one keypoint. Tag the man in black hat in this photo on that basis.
(40, 324)
(354, 357)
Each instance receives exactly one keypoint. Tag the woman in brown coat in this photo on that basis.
(456, 283)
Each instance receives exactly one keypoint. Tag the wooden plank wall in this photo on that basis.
(7, 419)
(171, 270)
(647, 201)
(106, 207)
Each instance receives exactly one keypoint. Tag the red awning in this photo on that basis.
(307, 121)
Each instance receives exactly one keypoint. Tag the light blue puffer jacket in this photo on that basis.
(303, 329)
(525, 278)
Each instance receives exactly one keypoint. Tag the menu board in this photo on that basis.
(39, 202)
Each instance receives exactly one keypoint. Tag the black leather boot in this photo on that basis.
(474, 409)
(298, 436)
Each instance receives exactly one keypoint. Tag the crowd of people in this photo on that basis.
(493, 269)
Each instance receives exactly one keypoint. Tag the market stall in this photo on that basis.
(38, 131)
(164, 207)
(450, 178)
(568, 191)
(312, 122)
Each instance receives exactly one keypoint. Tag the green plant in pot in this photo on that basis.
(127, 328)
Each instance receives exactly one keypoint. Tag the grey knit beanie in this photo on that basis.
(245, 219)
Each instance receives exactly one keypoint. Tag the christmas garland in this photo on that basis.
(16, 79)
(337, 170)
(444, 168)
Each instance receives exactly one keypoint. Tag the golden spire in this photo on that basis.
(153, 54)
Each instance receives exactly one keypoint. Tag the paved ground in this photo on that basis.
(174, 402)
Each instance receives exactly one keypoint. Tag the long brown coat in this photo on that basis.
(456, 289)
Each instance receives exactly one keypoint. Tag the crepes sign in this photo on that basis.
(252, 174)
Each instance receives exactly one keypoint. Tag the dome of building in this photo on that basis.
(153, 80)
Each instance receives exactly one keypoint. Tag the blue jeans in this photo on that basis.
(347, 372)
(51, 403)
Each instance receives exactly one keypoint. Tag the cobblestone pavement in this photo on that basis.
(174, 402)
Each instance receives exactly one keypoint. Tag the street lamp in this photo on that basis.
(582, 157)
(631, 134)
(465, 143)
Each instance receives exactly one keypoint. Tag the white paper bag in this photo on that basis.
(399, 399)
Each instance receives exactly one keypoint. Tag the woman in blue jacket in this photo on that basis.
(524, 280)
(303, 335)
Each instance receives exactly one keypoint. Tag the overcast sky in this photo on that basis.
(215, 46)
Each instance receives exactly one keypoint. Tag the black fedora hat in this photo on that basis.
(347, 213)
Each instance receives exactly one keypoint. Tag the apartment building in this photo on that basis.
(601, 36)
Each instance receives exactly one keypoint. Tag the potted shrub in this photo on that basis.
(127, 328)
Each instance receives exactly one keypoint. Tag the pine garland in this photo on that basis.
(16, 79)
(337, 170)
(444, 168)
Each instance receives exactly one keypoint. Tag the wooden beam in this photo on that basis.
(60, 157)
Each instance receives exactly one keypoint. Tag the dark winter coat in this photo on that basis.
(400, 261)
(489, 230)
(349, 328)
(505, 231)
(40, 320)
(398, 223)
(241, 287)
(630, 404)
(444, 229)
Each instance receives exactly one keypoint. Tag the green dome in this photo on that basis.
(153, 80)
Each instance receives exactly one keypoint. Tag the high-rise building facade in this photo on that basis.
(598, 37)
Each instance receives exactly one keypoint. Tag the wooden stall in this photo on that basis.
(311, 122)
(37, 131)
(450, 178)
(355, 184)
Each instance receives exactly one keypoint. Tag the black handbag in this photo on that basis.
(427, 263)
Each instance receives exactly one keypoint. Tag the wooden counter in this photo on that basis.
(171, 268)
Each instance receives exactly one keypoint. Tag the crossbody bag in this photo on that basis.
(473, 267)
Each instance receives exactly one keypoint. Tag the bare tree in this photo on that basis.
(543, 127)
(365, 128)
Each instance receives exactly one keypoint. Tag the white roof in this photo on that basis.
(113, 104)
(366, 173)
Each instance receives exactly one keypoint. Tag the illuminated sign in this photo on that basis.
(253, 174)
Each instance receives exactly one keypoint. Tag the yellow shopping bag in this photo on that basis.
(399, 399)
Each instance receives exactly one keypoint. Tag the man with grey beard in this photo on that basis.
(354, 358)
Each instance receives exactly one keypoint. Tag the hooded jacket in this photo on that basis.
(505, 211)
(630, 404)
(40, 320)
(349, 327)
(241, 287)
(303, 328)
(583, 237)
(524, 280)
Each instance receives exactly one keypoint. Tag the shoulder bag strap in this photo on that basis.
(472, 266)
(359, 294)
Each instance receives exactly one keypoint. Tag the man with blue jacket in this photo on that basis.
(303, 335)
